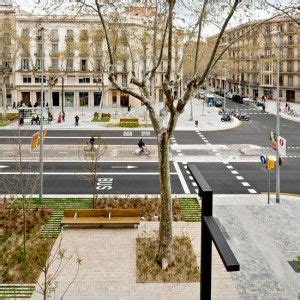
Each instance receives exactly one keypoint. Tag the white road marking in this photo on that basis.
(178, 150)
(225, 162)
(229, 167)
(124, 167)
(194, 183)
(234, 172)
(180, 154)
(85, 173)
(181, 178)
(63, 152)
(2, 167)
(239, 177)
(188, 172)
(245, 183)
(82, 137)
(191, 178)
(214, 150)
(252, 191)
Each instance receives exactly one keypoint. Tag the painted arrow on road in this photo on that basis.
(2, 167)
(123, 167)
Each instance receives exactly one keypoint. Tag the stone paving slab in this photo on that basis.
(264, 238)
(108, 267)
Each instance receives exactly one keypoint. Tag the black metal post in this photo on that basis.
(62, 93)
(210, 232)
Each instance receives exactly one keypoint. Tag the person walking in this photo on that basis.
(76, 120)
(63, 115)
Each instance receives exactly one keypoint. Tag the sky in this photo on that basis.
(29, 5)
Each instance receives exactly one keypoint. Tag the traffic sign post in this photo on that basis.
(269, 161)
(282, 146)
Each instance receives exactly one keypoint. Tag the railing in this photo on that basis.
(210, 232)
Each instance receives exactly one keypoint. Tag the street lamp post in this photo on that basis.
(278, 125)
(41, 121)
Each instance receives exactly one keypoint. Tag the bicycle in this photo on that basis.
(145, 151)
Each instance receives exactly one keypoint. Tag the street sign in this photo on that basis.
(282, 146)
(273, 140)
(34, 140)
(262, 159)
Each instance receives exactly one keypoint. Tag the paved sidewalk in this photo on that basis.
(108, 269)
(76, 153)
(207, 120)
(271, 107)
(264, 238)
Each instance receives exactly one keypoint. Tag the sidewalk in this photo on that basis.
(209, 120)
(271, 107)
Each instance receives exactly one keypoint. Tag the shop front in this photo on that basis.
(69, 99)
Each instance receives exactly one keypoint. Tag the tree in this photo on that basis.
(159, 24)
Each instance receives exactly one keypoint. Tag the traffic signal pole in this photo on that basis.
(41, 122)
(278, 128)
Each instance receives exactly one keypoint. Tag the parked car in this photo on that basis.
(226, 118)
(237, 98)
(218, 103)
(228, 95)
(243, 117)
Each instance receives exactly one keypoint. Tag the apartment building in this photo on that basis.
(250, 64)
(74, 55)
(7, 25)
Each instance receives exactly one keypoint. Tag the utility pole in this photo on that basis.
(62, 93)
(278, 125)
(41, 120)
(191, 114)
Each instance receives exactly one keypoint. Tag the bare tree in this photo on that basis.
(159, 23)
(91, 158)
(54, 265)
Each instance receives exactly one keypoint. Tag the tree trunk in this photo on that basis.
(50, 102)
(4, 97)
(165, 256)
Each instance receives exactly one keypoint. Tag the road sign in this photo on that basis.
(262, 159)
(273, 140)
(270, 162)
(282, 146)
(34, 140)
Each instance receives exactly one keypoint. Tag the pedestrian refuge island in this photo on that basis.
(101, 218)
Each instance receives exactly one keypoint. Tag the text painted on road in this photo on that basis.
(104, 184)
(127, 133)
(145, 133)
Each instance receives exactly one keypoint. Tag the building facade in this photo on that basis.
(249, 66)
(74, 55)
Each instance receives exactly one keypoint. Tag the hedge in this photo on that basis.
(129, 123)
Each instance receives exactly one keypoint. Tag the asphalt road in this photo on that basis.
(75, 178)
(223, 181)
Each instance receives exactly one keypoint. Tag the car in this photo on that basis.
(237, 98)
(228, 95)
(218, 103)
(226, 118)
(243, 117)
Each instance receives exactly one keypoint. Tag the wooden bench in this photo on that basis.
(101, 217)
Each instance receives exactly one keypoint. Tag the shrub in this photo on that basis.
(129, 123)
(96, 116)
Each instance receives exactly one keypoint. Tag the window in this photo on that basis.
(290, 96)
(26, 79)
(267, 80)
(6, 38)
(84, 80)
(281, 66)
(114, 98)
(84, 35)
(38, 79)
(280, 28)
(267, 66)
(54, 48)
(268, 52)
(25, 32)
(70, 33)
(268, 30)
(39, 47)
(280, 80)
(124, 80)
(83, 65)
(290, 81)
(97, 80)
(124, 65)
(98, 65)
(69, 64)
(290, 66)
(24, 64)
(54, 35)
(54, 63)
(290, 53)
(290, 40)
(84, 98)
(53, 79)
(38, 64)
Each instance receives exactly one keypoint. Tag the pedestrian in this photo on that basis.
(63, 115)
(129, 108)
(47, 105)
(263, 98)
(76, 120)
(264, 107)
(14, 105)
(21, 121)
(59, 118)
(29, 104)
(286, 107)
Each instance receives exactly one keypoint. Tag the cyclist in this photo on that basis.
(141, 145)
(92, 142)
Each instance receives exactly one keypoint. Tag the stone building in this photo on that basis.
(76, 61)
(250, 64)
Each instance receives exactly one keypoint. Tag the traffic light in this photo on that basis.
(270, 163)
